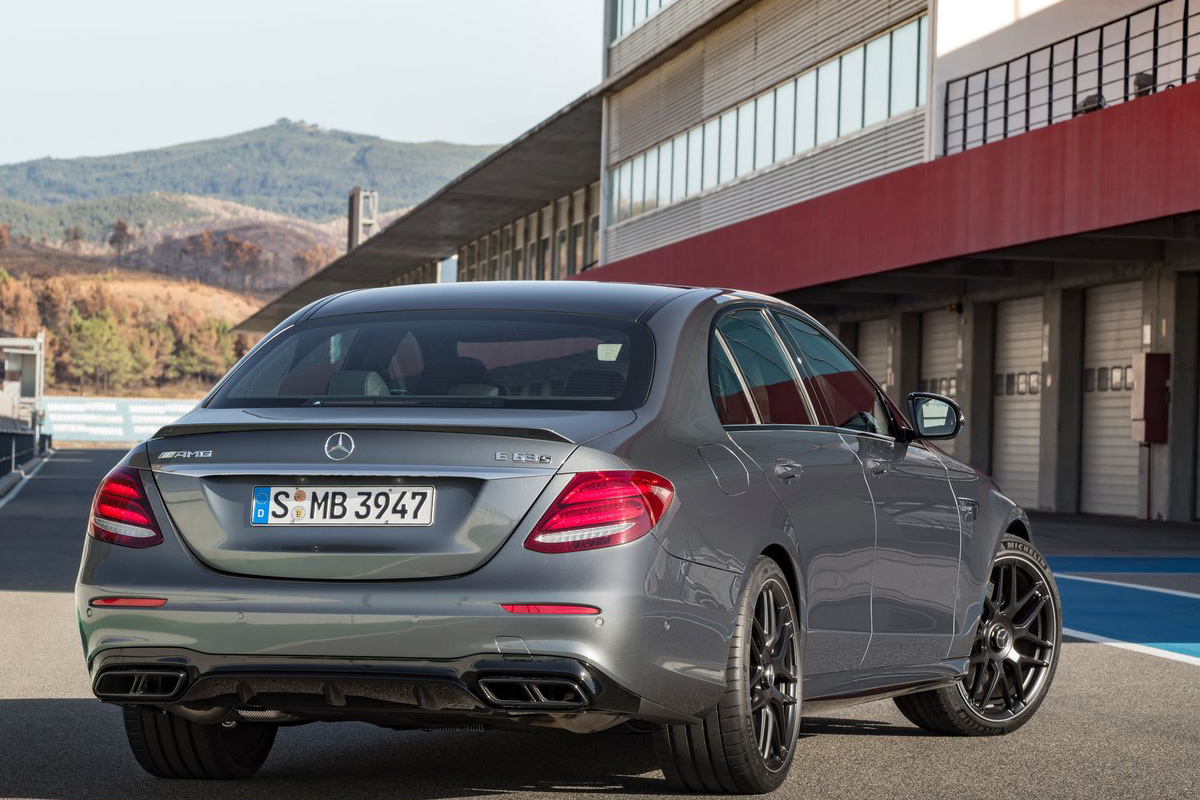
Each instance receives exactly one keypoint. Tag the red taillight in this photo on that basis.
(601, 509)
(544, 608)
(121, 511)
(129, 602)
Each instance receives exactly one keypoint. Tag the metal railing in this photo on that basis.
(18, 448)
(1148, 51)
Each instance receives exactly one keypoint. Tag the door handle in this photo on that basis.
(878, 466)
(786, 469)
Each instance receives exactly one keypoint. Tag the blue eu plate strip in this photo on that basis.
(262, 504)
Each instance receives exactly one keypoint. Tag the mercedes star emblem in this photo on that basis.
(339, 446)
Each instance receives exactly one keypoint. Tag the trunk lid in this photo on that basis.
(487, 471)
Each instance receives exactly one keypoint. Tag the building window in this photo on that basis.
(876, 82)
(828, 85)
(785, 121)
(728, 149)
(651, 202)
(806, 112)
(745, 139)
(712, 143)
(638, 203)
(632, 14)
(665, 168)
(764, 136)
(851, 118)
(861, 87)
(695, 161)
(905, 49)
(679, 170)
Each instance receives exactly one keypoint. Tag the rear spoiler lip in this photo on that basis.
(186, 429)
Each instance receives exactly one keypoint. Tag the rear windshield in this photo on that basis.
(449, 359)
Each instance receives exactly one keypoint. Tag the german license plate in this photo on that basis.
(342, 505)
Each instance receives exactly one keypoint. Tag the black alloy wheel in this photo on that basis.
(1013, 656)
(1014, 642)
(774, 675)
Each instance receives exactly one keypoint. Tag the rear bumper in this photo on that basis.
(481, 688)
(662, 633)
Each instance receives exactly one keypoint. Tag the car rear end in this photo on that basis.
(397, 517)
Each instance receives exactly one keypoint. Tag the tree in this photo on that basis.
(242, 255)
(120, 239)
(73, 237)
(5, 235)
(97, 351)
(312, 259)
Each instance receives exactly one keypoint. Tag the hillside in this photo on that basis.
(118, 329)
(289, 167)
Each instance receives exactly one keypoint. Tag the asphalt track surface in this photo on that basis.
(1117, 723)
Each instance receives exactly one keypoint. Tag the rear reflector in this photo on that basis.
(542, 608)
(121, 511)
(602, 509)
(129, 602)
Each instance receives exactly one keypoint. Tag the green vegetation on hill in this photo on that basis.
(95, 218)
(288, 167)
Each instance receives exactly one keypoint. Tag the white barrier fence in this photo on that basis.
(109, 419)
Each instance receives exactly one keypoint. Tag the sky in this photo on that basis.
(87, 78)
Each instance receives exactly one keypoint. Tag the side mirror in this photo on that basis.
(934, 416)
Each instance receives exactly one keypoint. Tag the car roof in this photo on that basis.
(629, 301)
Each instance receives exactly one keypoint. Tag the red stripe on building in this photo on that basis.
(1132, 162)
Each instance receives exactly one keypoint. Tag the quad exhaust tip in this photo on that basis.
(550, 694)
(140, 684)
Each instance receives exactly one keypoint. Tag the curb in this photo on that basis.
(14, 479)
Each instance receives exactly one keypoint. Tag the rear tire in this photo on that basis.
(1013, 658)
(168, 746)
(746, 744)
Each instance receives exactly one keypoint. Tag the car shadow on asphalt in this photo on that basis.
(75, 749)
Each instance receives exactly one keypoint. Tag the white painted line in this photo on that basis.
(16, 489)
(1123, 584)
(1137, 648)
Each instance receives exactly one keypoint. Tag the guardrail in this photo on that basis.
(17, 448)
(1148, 51)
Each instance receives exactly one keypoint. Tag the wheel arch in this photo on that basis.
(787, 565)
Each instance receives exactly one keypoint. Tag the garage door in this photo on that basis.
(1112, 334)
(872, 348)
(1017, 401)
(939, 357)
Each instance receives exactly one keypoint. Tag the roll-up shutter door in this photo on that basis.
(1017, 400)
(1112, 334)
(939, 358)
(872, 348)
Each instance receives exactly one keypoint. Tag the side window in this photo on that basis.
(733, 405)
(849, 399)
(765, 368)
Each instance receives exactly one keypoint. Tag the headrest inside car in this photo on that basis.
(357, 383)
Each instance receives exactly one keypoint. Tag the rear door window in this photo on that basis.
(765, 369)
(734, 406)
(846, 397)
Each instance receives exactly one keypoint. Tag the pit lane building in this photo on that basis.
(998, 200)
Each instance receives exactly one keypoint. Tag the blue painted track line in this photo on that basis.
(1183, 565)
(1163, 621)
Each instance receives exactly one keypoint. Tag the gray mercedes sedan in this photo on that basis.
(573, 505)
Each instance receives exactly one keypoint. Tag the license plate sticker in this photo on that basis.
(342, 505)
